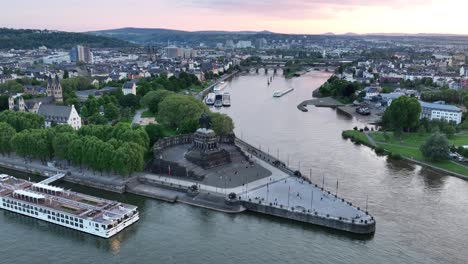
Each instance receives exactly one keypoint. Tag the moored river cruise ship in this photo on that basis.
(89, 214)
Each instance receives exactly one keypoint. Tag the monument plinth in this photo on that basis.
(205, 151)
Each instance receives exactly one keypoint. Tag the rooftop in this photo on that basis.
(440, 106)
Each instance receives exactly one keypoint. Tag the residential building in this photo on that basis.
(60, 115)
(371, 91)
(129, 88)
(441, 111)
(54, 94)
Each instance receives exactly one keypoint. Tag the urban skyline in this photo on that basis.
(298, 16)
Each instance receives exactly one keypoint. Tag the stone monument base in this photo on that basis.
(205, 151)
(208, 160)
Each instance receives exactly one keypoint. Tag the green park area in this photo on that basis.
(408, 146)
(404, 134)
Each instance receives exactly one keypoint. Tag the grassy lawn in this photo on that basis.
(409, 148)
(147, 114)
(357, 135)
(169, 132)
(416, 140)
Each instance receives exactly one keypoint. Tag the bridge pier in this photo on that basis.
(256, 70)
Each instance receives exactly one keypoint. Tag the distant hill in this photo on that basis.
(32, 38)
(160, 35)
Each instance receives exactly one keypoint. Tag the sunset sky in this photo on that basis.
(283, 16)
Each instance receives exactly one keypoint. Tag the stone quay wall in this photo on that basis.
(270, 159)
(357, 228)
(118, 188)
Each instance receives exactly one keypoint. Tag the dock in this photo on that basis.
(50, 180)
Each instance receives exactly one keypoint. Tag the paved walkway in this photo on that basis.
(276, 175)
(371, 139)
(137, 117)
(19, 163)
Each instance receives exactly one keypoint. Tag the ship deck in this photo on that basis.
(80, 205)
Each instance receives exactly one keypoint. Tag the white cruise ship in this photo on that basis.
(96, 216)
(281, 93)
(210, 99)
(218, 88)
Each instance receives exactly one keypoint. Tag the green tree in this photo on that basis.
(130, 101)
(21, 121)
(177, 110)
(155, 132)
(222, 124)
(3, 102)
(111, 111)
(156, 98)
(97, 119)
(61, 144)
(7, 132)
(403, 114)
(436, 147)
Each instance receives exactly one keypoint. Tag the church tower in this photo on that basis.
(21, 105)
(54, 88)
(11, 103)
(58, 93)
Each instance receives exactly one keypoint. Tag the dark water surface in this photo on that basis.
(421, 216)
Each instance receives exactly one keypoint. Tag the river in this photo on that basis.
(421, 215)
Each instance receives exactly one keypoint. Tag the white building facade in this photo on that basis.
(438, 111)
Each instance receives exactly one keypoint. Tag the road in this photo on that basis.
(137, 116)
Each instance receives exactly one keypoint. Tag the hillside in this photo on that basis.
(159, 35)
(31, 38)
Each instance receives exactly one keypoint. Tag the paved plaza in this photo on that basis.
(297, 194)
(237, 173)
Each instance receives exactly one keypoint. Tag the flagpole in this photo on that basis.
(289, 189)
(336, 187)
(312, 201)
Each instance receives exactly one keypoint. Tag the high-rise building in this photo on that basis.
(261, 43)
(174, 52)
(81, 54)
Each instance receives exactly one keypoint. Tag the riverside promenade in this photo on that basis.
(280, 192)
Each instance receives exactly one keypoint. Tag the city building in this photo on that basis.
(243, 44)
(441, 111)
(129, 88)
(175, 52)
(54, 94)
(60, 115)
(81, 54)
(54, 89)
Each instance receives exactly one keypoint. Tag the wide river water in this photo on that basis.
(422, 217)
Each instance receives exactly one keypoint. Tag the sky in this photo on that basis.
(282, 16)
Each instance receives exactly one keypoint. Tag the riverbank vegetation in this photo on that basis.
(415, 146)
(342, 90)
(104, 148)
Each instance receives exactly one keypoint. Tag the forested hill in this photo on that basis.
(31, 38)
(159, 35)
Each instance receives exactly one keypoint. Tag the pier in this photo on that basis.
(50, 180)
